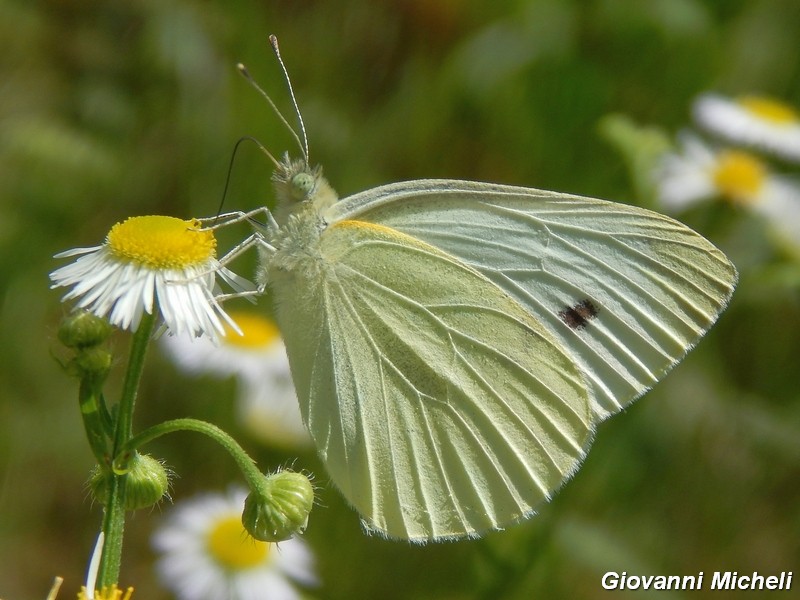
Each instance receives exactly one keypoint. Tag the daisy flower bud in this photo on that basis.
(82, 329)
(280, 509)
(92, 363)
(146, 482)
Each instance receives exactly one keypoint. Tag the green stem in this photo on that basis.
(113, 526)
(114, 518)
(141, 339)
(89, 397)
(255, 479)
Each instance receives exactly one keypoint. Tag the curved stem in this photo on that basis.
(255, 479)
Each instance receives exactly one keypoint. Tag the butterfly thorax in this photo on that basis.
(296, 245)
(303, 195)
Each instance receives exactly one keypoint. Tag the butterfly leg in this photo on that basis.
(258, 241)
(238, 216)
(254, 240)
(244, 288)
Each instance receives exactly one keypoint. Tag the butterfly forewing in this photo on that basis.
(441, 407)
(625, 292)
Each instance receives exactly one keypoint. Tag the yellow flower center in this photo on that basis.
(107, 593)
(161, 242)
(232, 547)
(739, 175)
(769, 110)
(257, 331)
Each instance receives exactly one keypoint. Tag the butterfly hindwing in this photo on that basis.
(439, 405)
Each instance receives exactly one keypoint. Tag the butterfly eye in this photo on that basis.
(302, 185)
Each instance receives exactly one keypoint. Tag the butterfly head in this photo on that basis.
(299, 187)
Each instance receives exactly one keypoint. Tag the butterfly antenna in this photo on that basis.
(261, 147)
(273, 40)
(264, 150)
(303, 148)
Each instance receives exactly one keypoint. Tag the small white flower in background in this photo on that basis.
(148, 262)
(753, 121)
(701, 172)
(208, 555)
(267, 401)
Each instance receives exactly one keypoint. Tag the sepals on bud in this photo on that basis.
(280, 508)
(83, 332)
(91, 363)
(82, 329)
(146, 482)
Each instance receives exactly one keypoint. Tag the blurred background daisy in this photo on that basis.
(756, 121)
(206, 554)
(255, 357)
(731, 162)
(700, 172)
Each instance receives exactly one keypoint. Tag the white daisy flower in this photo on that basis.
(149, 261)
(208, 555)
(256, 356)
(754, 121)
(700, 172)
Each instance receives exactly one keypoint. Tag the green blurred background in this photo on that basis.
(111, 109)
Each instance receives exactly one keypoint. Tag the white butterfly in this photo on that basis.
(454, 344)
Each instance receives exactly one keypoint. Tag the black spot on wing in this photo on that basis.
(578, 316)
